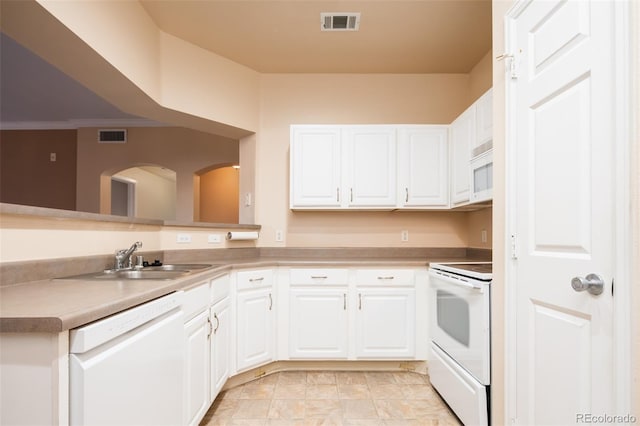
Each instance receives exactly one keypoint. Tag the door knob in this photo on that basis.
(592, 283)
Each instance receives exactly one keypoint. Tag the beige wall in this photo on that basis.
(219, 195)
(498, 389)
(27, 176)
(155, 195)
(350, 99)
(114, 48)
(182, 150)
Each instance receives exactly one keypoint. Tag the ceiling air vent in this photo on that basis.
(339, 21)
(112, 136)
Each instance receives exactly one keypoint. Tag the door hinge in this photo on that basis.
(514, 253)
(510, 63)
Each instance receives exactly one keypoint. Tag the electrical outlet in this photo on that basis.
(183, 238)
(483, 236)
(247, 199)
(404, 236)
(279, 236)
(214, 239)
(53, 157)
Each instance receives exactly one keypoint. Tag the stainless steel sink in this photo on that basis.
(163, 272)
(178, 267)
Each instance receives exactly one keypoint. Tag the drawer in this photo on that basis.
(195, 301)
(386, 276)
(254, 279)
(220, 288)
(312, 276)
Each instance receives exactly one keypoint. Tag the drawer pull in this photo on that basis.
(210, 327)
(360, 301)
(390, 277)
(344, 298)
(215, 316)
(270, 302)
(253, 280)
(319, 277)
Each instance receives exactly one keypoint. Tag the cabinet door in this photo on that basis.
(462, 134)
(318, 323)
(385, 323)
(422, 166)
(484, 124)
(371, 165)
(315, 167)
(220, 340)
(196, 372)
(254, 327)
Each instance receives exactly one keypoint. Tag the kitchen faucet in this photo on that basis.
(124, 256)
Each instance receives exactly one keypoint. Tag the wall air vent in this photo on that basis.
(339, 21)
(112, 136)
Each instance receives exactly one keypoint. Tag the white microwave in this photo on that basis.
(482, 177)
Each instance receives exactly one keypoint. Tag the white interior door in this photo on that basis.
(563, 138)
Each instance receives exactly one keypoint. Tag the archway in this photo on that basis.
(217, 194)
(144, 191)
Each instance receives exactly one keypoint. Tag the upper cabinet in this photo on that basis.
(370, 166)
(483, 140)
(388, 167)
(463, 131)
(316, 167)
(422, 167)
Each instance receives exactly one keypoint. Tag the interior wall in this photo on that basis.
(499, 399)
(219, 195)
(350, 99)
(155, 196)
(27, 174)
(183, 150)
(477, 222)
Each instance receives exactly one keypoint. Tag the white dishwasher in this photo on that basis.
(127, 369)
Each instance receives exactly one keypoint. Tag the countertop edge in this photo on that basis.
(63, 321)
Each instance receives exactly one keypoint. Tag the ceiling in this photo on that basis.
(396, 36)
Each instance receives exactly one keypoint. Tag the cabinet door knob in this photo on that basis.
(270, 302)
(406, 198)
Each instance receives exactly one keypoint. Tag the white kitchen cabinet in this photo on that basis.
(316, 167)
(196, 370)
(463, 131)
(318, 324)
(197, 329)
(254, 318)
(386, 314)
(220, 336)
(483, 139)
(370, 166)
(422, 167)
(220, 315)
(318, 320)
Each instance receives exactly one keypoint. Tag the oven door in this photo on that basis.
(459, 322)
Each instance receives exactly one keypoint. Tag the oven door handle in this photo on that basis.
(449, 279)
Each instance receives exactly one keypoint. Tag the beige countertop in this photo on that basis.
(55, 305)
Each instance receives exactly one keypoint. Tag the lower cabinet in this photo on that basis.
(196, 368)
(386, 323)
(254, 318)
(220, 315)
(197, 329)
(318, 323)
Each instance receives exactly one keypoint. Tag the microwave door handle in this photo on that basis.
(458, 282)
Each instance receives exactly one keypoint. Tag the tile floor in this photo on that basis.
(332, 398)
